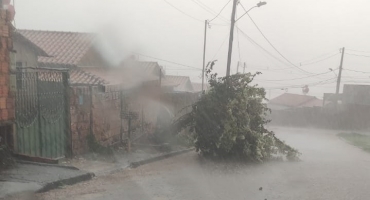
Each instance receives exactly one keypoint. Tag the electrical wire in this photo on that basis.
(209, 10)
(255, 24)
(357, 55)
(168, 61)
(182, 11)
(310, 84)
(218, 50)
(266, 51)
(317, 57)
(300, 77)
(214, 12)
(220, 11)
(240, 57)
(351, 70)
(357, 51)
(310, 63)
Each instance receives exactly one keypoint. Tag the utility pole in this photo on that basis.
(245, 65)
(204, 53)
(237, 68)
(231, 37)
(339, 76)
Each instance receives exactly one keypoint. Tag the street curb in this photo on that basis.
(68, 181)
(45, 164)
(161, 157)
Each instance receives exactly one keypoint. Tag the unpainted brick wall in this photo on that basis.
(80, 105)
(7, 108)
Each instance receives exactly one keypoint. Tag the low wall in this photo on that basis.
(348, 117)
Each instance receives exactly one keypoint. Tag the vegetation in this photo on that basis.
(356, 139)
(229, 121)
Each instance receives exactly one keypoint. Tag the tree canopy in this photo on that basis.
(229, 121)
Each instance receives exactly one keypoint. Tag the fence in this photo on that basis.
(348, 117)
(42, 117)
(111, 115)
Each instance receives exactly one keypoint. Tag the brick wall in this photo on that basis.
(80, 105)
(102, 117)
(7, 109)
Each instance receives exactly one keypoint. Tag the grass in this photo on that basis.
(356, 139)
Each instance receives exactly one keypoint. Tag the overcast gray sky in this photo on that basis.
(301, 30)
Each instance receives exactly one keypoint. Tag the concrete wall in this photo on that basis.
(24, 54)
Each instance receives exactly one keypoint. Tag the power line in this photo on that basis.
(310, 84)
(220, 11)
(357, 51)
(168, 61)
(272, 44)
(357, 55)
(182, 11)
(214, 12)
(317, 57)
(209, 10)
(310, 63)
(356, 71)
(301, 77)
(266, 51)
(218, 50)
(240, 57)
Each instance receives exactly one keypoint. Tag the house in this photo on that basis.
(25, 53)
(288, 100)
(183, 83)
(197, 87)
(66, 49)
(356, 94)
(102, 93)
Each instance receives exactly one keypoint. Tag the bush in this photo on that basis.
(229, 121)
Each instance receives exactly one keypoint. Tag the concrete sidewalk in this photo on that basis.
(26, 178)
(32, 178)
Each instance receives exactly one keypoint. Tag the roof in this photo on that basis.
(66, 48)
(183, 82)
(20, 38)
(112, 76)
(296, 100)
(197, 87)
(78, 76)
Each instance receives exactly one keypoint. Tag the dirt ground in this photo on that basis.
(330, 169)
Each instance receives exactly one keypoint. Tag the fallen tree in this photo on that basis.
(229, 121)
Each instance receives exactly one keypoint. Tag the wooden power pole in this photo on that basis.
(231, 37)
(204, 53)
(339, 76)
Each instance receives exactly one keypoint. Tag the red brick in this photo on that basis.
(4, 68)
(4, 114)
(10, 103)
(2, 102)
(3, 80)
(11, 114)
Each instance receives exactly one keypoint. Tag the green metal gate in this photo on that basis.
(42, 110)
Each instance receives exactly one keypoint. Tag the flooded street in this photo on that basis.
(330, 169)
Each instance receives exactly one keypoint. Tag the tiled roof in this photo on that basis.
(65, 47)
(78, 76)
(295, 100)
(183, 82)
(112, 76)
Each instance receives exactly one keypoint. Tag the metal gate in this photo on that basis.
(42, 110)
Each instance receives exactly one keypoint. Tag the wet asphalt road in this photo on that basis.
(330, 169)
